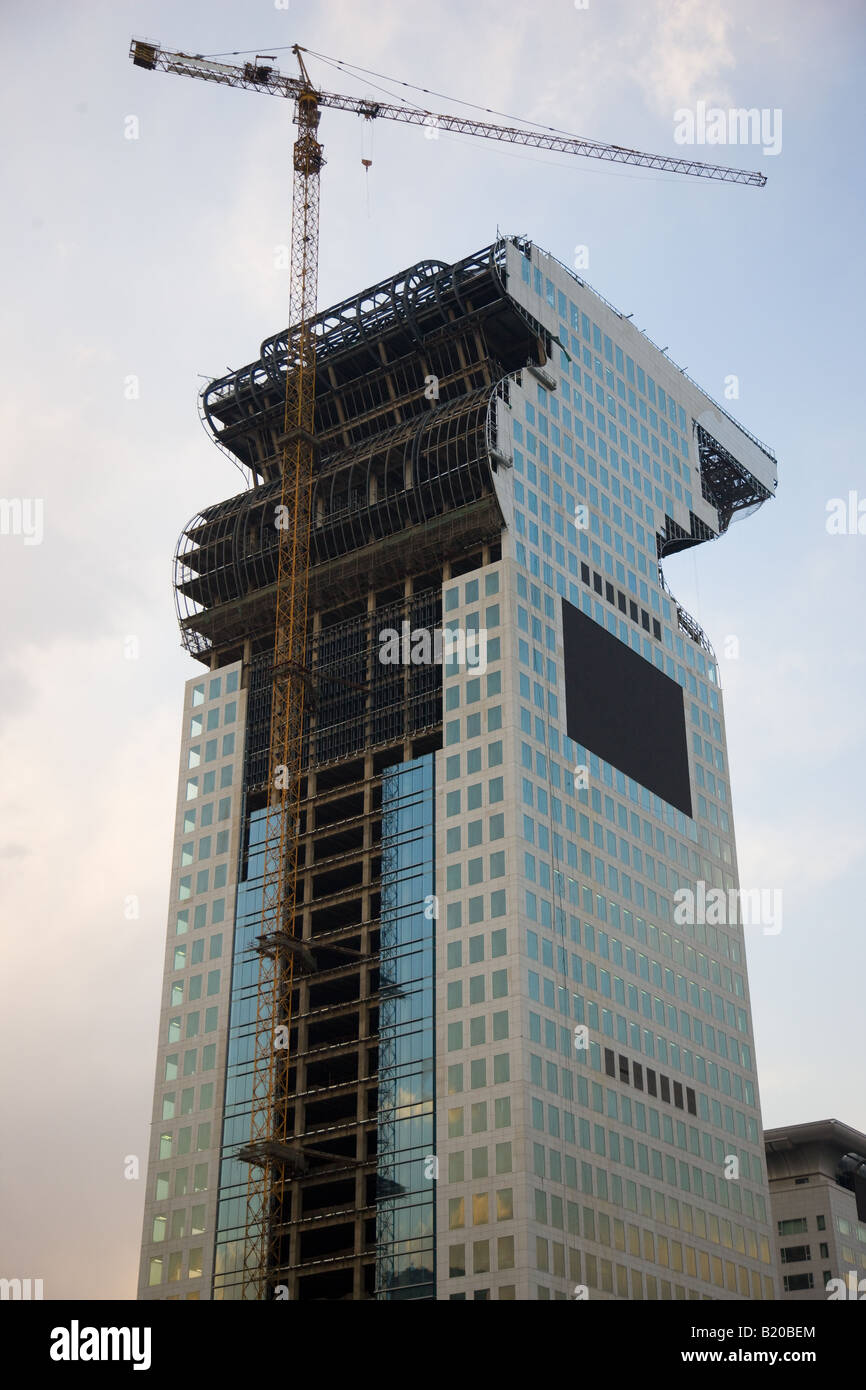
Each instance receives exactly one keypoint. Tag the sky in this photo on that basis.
(142, 230)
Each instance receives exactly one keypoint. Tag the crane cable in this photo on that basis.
(351, 71)
(357, 72)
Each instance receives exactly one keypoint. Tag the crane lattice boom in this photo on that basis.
(258, 77)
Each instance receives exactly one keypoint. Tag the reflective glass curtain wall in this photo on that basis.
(405, 1227)
(232, 1208)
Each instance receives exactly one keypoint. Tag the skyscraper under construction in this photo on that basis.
(517, 1068)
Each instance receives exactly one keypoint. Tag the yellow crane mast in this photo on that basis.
(270, 1159)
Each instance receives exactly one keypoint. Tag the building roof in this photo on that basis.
(845, 1137)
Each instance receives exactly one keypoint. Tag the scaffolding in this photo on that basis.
(402, 494)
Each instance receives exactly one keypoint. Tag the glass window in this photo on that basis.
(481, 1257)
(792, 1227)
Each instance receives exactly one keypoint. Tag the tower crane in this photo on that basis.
(273, 1159)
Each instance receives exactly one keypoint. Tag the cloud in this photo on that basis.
(682, 52)
(80, 982)
(799, 855)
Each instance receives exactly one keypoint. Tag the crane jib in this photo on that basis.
(265, 78)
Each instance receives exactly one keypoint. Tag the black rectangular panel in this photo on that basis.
(624, 709)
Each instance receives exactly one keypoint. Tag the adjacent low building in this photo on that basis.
(813, 1169)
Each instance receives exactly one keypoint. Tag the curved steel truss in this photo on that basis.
(411, 383)
(399, 479)
(369, 349)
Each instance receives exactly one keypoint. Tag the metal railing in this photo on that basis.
(521, 242)
(687, 624)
